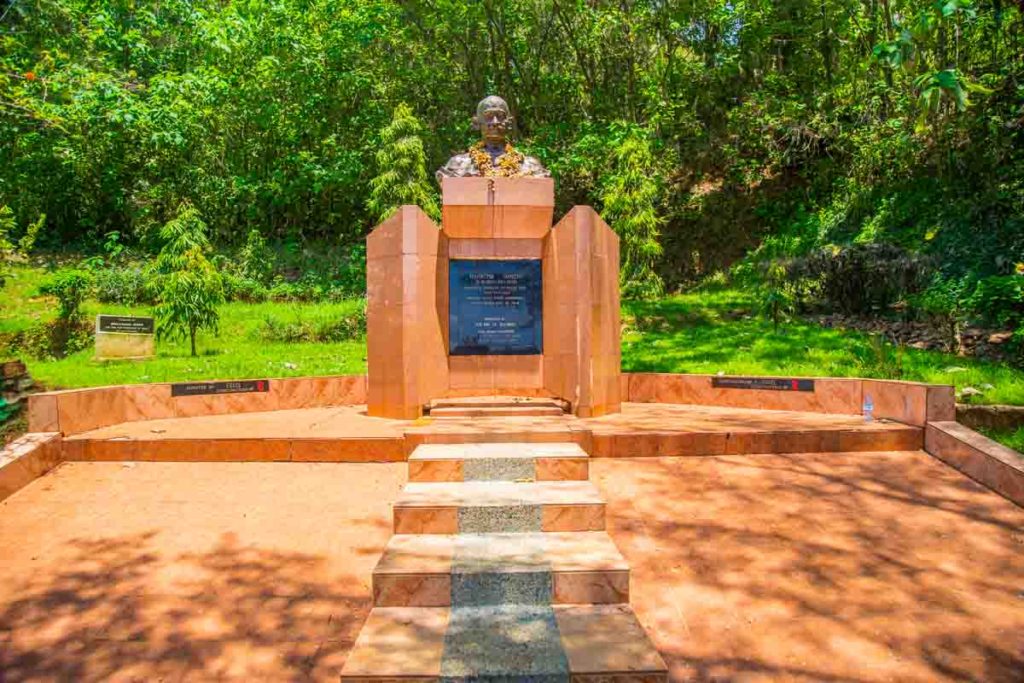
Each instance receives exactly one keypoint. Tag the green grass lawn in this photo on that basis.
(1011, 438)
(718, 331)
(700, 332)
(237, 352)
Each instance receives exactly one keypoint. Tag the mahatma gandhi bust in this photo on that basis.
(493, 156)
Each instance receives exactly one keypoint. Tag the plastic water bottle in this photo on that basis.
(869, 409)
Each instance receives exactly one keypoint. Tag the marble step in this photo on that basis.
(504, 642)
(498, 402)
(498, 507)
(514, 461)
(477, 569)
(497, 411)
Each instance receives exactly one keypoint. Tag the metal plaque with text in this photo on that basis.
(248, 386)
(766, 383)
(495, 307)
(124, 323)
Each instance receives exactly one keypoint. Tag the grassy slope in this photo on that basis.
(710, 332)
(706, 332)
(237, 352)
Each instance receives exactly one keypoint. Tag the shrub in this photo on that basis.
(630, 196)
(55, 339)
(1000, 300)
(70, 286)
(945, 302)
(257, 261)
(127, 286)
(238, 288)
(879, 359)
(776, 296)
(861, 277)
(351, 326)
(9, 249)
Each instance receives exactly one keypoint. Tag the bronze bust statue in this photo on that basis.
(493, 156)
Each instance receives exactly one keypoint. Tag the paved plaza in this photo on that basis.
(866, 566)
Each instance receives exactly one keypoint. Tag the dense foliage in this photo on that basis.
(779, 125)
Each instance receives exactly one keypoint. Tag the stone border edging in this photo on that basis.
(80, 410)
(912, 403)
(991, 464)
(26, 459)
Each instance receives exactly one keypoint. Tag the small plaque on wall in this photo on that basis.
(249, 386)
(495, 307)
(763, 383)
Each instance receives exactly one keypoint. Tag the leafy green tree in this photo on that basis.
(9, 249)
(776, 297)
(190, 288)
(401, 169)
(630, 196)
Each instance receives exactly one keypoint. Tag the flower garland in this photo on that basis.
(510, 164)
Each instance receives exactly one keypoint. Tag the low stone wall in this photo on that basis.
(27, 458)
(911, 403)
(81, 410)
(980, 458)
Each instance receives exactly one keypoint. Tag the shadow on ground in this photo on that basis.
(237, 612)
(837, 567)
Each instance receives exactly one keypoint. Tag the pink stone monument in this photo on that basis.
(495, 302)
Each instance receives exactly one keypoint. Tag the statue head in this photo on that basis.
(493, 120)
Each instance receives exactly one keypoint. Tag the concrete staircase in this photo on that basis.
(500, 570)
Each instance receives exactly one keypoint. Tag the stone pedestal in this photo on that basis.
(409, 355)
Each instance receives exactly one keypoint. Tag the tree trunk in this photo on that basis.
(192, 338)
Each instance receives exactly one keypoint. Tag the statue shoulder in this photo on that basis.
(533, 168)
(458, 166)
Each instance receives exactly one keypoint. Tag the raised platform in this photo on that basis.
(347, 434)
(806, 530)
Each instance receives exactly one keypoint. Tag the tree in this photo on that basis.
(9, 249)
(630, 195)
(401, 169)
(190, 288)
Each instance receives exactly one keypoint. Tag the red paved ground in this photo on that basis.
(835, 567)
(201, 571)
(831, 567)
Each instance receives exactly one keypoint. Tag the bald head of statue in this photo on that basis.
(494, 121)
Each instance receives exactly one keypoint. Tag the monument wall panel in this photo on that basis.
(582, 339)
(406, 269)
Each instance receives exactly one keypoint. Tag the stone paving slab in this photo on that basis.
(873, 566)
(523, 643)
(476, 451)
(434, 570)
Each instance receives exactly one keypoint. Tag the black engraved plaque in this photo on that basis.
(495, 307)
